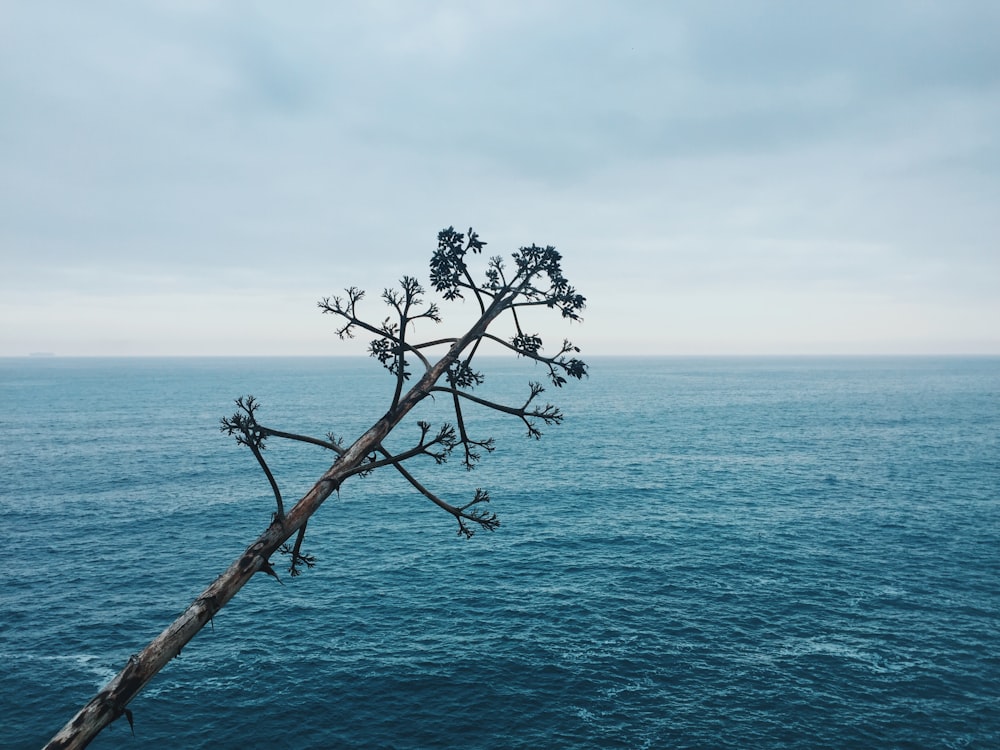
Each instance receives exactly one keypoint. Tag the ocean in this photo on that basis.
(707, 553)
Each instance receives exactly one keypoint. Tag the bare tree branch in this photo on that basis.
(243, 424)
(487, 521)
(534, 279)
(548, 414)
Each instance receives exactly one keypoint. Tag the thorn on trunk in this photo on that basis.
(266, 567)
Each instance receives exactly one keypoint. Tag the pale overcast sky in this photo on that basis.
(741, 177)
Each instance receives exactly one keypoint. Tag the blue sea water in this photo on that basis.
(708, 553)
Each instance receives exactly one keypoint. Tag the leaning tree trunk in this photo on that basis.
(110, 703)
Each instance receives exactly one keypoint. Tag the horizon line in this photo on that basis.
(680, 355)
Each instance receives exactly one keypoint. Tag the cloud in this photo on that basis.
(708, 152)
